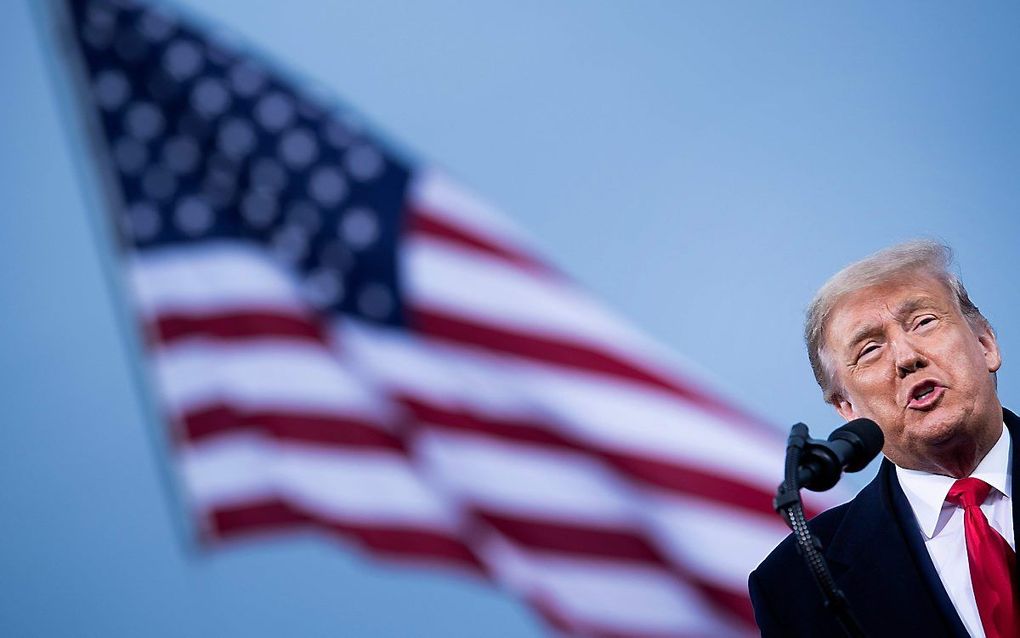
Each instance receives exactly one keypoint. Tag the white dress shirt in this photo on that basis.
(941, 523)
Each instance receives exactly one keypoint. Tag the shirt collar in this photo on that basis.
(927, 492)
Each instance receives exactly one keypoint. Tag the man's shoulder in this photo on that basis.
(783, 576)
(824, 527)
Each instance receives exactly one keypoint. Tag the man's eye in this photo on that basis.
(867, 350)
(924, 321)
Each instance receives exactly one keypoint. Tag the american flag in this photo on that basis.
(346, 340)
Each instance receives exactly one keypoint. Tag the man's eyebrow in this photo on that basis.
(902, 311)
(862, 333)
(913, 304)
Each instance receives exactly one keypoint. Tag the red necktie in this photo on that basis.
(992, 562)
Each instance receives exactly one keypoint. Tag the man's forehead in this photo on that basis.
(863, 311)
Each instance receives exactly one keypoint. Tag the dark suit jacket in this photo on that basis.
(877, 556)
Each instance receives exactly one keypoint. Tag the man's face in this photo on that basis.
(903, 355)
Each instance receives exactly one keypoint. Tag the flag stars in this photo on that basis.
(359, 227)
(210, 145)
(156, 25)
(143, 121)
(364, 163)
(298, 148)
(323, 287)
(210, 97)
(246, 79)
(193, 216)
(290, 245)
(236, 138)
(327, 186)
(182, 60)
(274, 112)
(111, 89)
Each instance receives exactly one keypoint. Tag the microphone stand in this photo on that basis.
(788, 505)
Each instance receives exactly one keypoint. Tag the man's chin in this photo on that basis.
(937, 431)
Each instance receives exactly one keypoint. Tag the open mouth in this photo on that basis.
(925, 394)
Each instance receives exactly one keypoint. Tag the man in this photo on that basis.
(919, 552)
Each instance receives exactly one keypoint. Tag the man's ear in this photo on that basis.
(844, 408)
(990, 347)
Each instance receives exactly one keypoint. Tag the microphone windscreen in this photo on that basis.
(866, 438)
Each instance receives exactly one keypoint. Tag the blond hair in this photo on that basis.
(923, 256)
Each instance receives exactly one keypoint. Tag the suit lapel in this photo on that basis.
(1013, 425)
(922, 559)
(879, 560)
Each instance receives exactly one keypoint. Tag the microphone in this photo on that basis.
(850, 448)
(817, 465)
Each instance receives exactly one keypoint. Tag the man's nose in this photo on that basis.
(908, 358)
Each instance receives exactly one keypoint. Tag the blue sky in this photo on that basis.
(702, 167)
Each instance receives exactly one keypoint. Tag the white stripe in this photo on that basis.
(364, 486)
(224, 276)
(520, 479)
(476, 286)
(379, 488)
(262, 374)
(209, 276)
(447, 200)
(618, 415)
(692, 531)
(523, 479)
(451, 203)
(606, 595)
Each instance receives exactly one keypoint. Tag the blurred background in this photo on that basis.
(700, 167)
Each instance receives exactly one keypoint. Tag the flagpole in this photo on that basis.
(102, 196)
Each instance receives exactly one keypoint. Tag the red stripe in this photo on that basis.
(668, 476)
(274, 515)
(333, 430)
(736, 603)
(564, 624)
(235, 325)
(536, 534)
(713, 486)
(462, 420)
(606, 543)
(599, 542)
(421, 223)
(344, 431)
(561, 352)
(242, 325)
